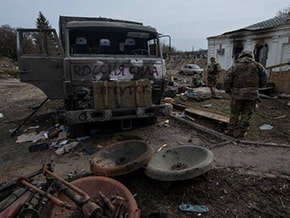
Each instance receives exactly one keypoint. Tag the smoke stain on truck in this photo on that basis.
(104, 69)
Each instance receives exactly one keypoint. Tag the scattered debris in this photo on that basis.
(168, 100)
(164, 123)
(280, 117)
(31, 137)
(24, 121)
(170, 93)
(183, 96)
(265, 96)
(207, 106)
(161, 147)
(66, 148)
(38, 147)
(61, 136)
(168, 109)
(190, 118)
(54, 137)
(180, 115)
(193, 208)
(83, 138)
(88, 151)
(191, 94)
(208, 114)
(284, 95)
(266, 127)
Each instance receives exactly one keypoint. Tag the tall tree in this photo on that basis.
(44, 41)
(42, 22)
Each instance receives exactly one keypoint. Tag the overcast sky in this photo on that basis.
(188, 22)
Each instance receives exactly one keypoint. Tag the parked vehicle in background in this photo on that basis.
(190, 69)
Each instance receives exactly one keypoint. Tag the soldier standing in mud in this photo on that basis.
(212, 75)
(242, 81)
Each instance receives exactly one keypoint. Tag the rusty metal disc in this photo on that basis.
(121, 158)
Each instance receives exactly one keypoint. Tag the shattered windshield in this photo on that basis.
(91, 42)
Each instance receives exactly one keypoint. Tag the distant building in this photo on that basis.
(269, 40)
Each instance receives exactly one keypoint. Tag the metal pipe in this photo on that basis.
(49, 196)
(74, 188)
(24, 121)
(13, 183)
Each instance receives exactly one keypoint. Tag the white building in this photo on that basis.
(269, 40)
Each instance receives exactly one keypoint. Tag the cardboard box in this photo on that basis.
(122, 94)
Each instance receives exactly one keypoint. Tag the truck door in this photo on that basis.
(40, 59)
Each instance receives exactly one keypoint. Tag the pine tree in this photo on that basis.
(42, 22)
(45, 41)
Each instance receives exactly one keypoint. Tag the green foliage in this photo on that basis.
(42, 22)
(43, 42)
(8, 42)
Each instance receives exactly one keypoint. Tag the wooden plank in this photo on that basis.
(208, 114)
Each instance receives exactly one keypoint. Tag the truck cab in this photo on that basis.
(104, 69)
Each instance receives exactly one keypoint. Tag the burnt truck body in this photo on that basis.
(104, 69)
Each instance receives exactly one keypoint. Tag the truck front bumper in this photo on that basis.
(90, 115)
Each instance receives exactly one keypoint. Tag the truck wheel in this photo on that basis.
(76, 130)
(151, 120)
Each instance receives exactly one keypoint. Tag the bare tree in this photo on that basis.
(283, 11)
(8, 42)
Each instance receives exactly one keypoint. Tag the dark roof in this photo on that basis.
(270, 23)
(266, 24)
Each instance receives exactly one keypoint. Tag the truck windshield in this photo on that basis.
(89, 42)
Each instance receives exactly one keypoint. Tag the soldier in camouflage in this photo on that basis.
(212, 75)
(242, 81)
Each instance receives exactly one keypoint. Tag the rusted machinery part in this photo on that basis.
(86, 197)
(57, 201)
(13, 209)
(179, 163)
(12, 197)
(99, 187)
(121, 158)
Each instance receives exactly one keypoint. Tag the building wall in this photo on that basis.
(281, 81)
(275, 39)
(278, 41)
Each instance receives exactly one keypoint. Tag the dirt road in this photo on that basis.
(248, 179)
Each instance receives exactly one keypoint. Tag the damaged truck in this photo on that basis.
(104, 69)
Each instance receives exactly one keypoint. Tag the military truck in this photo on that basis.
(104, 69)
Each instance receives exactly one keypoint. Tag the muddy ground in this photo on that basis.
(249, 178)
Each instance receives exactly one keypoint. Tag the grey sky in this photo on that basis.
(188, 22)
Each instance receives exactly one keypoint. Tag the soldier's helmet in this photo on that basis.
(246, 53)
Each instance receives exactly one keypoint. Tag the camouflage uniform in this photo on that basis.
(242, 82)
(212, 75)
